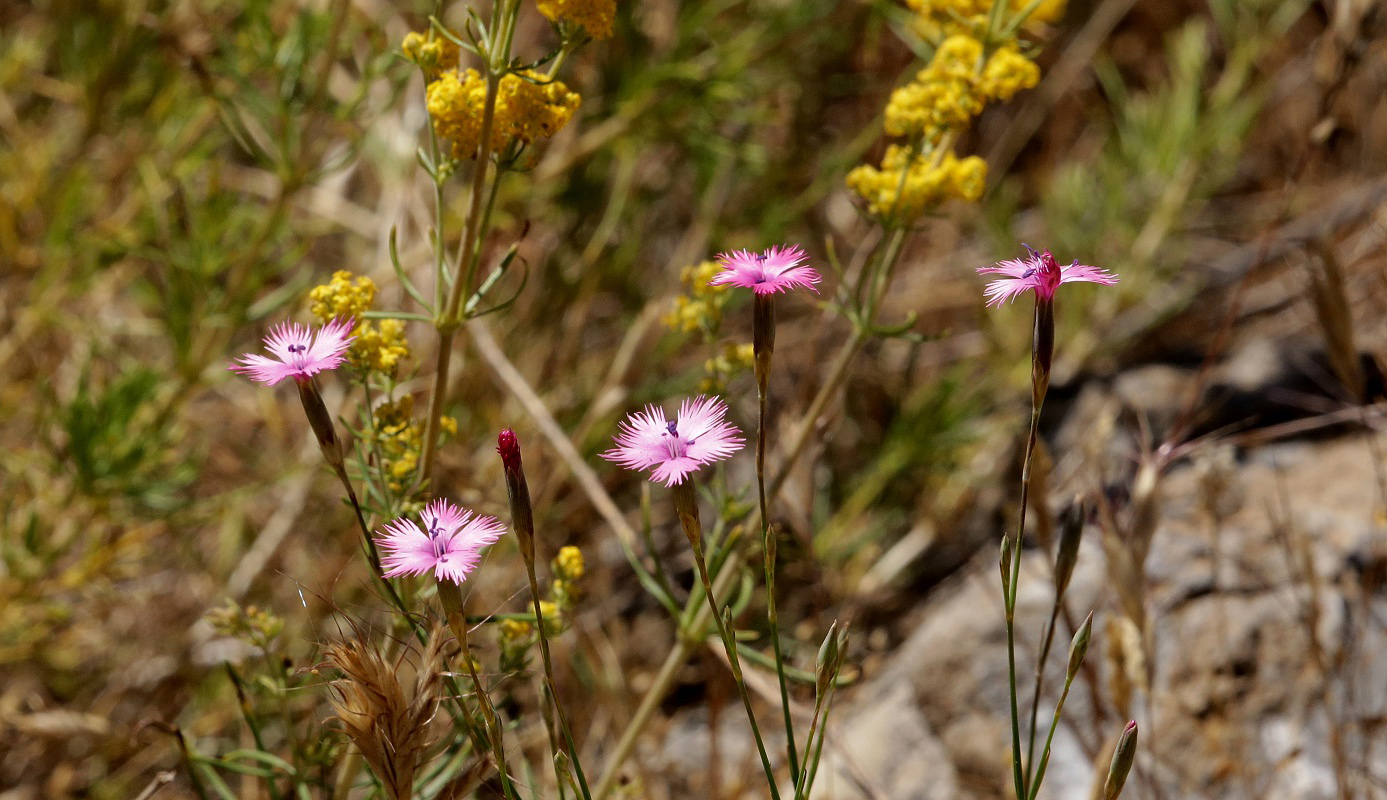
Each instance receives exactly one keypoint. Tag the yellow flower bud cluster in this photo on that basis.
(951, 90)
(565, 591)
(399, 438)
(514, 637)
(701, 307)
(593, 16)
(902, 191)
(433, 55)
(529, 106)
(733, 359)
(379, 346)
(251, 623)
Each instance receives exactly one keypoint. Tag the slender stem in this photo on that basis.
(1045, 754)
(763, 342)
(451, 598)
(686, 505)
(549, 682)
(1039, 678)
(1009, 589)
(449, 317)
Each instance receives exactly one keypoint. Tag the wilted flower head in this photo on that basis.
(298, 352)
(676, 448)
(778, 269)
(450, 544)
(1039, 273)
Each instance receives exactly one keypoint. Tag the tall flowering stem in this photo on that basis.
(1041, 274)
(522, 517)
(767, 274)
(450, 597)
(686, 506)
(449, 545)
(673, 450)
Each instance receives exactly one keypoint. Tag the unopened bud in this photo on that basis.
(1004, 561)
(320, 420)
(828, 658)
(522, 515)
(509, 447)
(1067, 553)
(1078, 648)
(1123, 756)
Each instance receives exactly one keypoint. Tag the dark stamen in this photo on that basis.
(671, 429)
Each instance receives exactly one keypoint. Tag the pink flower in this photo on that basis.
(778, 269)
(1040, 273)
(450, 543)
(298, 353)
(676, 448)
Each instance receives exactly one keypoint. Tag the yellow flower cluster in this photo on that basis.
(733, 359)
(925, 184)
(961, 78)
(432, 55)
(400, 437)
(565, 591)
(951, 90)
(528, 106)
(379, 346)
(701, 307)
(593, 16)
(514, 637)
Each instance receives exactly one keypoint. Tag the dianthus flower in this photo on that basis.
(299, 353)
(449, 544)
(1038, 273)
(593, 16)
(675, 449)
(778, 269)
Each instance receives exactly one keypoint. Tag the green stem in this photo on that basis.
(549, 683)
(451, 598)
(449, 318)
(763, 327)
(1045, 754)
(1039, 678)
(686, 505)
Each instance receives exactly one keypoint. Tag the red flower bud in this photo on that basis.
(509, 448)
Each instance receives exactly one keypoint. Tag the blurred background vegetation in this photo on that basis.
(174, 176)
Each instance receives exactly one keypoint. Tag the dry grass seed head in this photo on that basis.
(390, 728)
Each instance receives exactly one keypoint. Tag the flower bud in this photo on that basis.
(828, 658)
(321, 421)
(1067, 553)
(1123, 756)
(1079, 646)
(522, 515)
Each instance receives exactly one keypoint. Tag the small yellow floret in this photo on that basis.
(432, 55)
(1006, 73)
(593, 16)
(568, 564)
